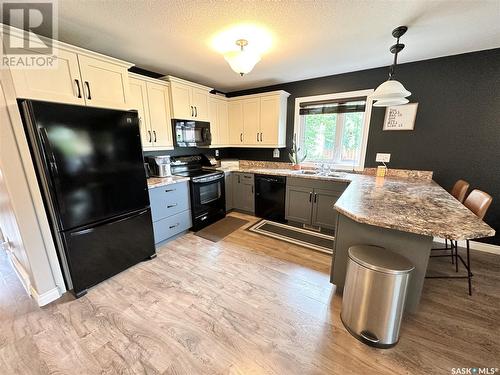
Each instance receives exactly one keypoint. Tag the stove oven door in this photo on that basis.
(208, 200)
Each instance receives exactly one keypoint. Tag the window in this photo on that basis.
(333, 128)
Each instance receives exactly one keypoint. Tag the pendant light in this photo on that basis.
(392, 92)
(244, 60)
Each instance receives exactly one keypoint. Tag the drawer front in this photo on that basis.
(172, 225)
(169, 200)
(316, 184)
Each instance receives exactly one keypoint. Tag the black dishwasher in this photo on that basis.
(270, 197)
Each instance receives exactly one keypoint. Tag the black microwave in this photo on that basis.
(191, 133)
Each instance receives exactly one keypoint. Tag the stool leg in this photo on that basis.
(451, 251)
(469, 273)
(456, 256)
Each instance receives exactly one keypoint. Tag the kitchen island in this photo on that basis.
(401, 214)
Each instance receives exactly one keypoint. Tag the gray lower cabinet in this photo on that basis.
(243, 192)
(311, 202)
(170, 210)
(228, 182)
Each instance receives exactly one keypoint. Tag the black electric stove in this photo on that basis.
(208, 199)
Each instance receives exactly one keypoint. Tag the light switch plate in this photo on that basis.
(216, 153)
(382, 158)
(276, 153)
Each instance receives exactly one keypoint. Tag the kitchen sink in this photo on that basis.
(307, 172)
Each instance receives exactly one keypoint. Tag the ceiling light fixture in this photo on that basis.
(243, 60)
(392, 92)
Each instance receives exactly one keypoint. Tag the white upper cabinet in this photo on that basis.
(218, 117)
(59, 84)
(258, 120)
(151, 99)
(78, 76)
(189, 100)
(105, 84)
(235, 117)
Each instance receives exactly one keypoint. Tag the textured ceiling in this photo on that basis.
(311, 38)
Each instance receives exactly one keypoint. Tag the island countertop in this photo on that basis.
(411, 205)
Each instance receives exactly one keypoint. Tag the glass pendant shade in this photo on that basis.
(243, 61)
(390, 89)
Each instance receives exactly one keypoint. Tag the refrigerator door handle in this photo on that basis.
(48, 152)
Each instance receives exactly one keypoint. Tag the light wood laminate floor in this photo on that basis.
(246, 305)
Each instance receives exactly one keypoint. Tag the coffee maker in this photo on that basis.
(159, 165)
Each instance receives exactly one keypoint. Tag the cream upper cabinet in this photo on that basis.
(79, 76)
(139, 101)
(61, 83)
(273, 120)
(199, 100)
(104, 84)
(260, 118)
(222, 122)
(235, 117)
(151, 99)
(251, 121)
(159, 114)
(189, 100)
(218, 117)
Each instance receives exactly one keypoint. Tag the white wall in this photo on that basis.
(22, 215)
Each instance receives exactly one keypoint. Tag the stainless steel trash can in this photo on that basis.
(374, 294)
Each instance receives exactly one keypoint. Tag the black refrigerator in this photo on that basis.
(90, 170)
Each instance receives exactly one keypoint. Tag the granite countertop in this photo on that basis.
(154, 182)
(411, 205)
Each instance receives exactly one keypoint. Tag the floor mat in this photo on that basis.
(298, 236)
(222, 228)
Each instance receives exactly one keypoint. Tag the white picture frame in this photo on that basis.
(400, 117)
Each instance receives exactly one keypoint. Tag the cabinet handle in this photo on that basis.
(79, 95)
(315, 197)
(171, 205)
(310, 196)
(169, 190)
(257, 137)
(154, 133)
(173, 226)
(149, 134)
(261, 137)
(252, 189)
(192, 111)
(195, 111)
(241, 137)
(89, 97)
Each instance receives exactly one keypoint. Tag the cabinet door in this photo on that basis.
(199, 100)
(228, 182)
(235, 117)
(61, 84)
(251, 121)
(181, 102)
(298, 204)
(213, 119)
(222, 122)
(159, 114)
(324, 215)
(247, 197)
(139, 101)
(269, 120)
(104, 84)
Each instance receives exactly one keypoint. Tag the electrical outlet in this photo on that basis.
(276, 153)
(382, 158)
(216, 153)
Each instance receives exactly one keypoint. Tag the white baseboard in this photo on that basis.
(45, 298)
(20, 271)
(474, 245)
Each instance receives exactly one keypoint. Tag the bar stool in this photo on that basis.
(478, 202)
(458, 191)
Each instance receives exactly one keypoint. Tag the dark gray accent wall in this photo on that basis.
(457, 129)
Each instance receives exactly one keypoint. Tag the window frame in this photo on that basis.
(297, 128)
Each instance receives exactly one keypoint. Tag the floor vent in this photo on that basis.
(303, 237)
